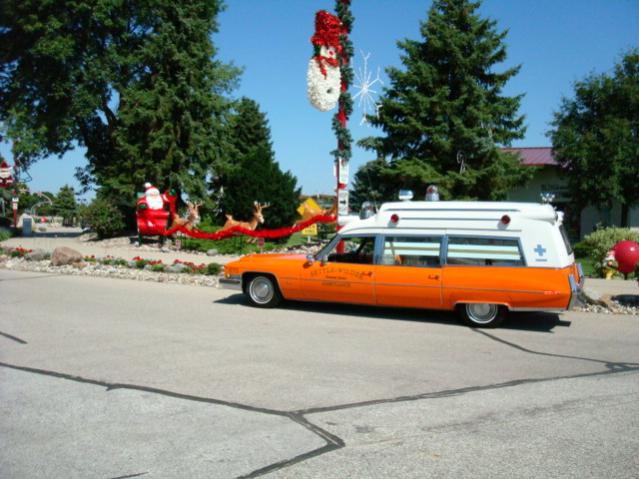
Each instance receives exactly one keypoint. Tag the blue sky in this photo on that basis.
(557, 42)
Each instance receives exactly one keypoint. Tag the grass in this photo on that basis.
(591, 269)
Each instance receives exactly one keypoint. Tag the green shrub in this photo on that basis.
(141, 263)
(581, 250)
(158, 268)
(4, 235)
(103, 218)
(213, 269)
(598, 243)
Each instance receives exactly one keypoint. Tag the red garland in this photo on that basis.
(277, 233)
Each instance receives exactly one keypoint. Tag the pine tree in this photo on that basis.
(255, 175)
(444, 115)
(65, 205)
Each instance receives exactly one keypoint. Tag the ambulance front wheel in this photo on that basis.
(482, 315)
(262, 291)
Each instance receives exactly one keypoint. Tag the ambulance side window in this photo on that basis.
(416, 251)
(357, 249)
(484, 252)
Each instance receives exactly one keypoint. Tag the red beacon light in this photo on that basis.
(505, 220)
(394, 219)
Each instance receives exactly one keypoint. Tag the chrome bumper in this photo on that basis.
(576, 287)
(232, 282)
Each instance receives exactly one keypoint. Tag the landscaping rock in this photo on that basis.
(212, 252)
(64, 255)
(37, 255)
(176, 268)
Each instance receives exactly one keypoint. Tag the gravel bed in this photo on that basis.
(616, 308)
(108, 271)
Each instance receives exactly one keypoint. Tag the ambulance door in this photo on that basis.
(409, 272)
(342, 277)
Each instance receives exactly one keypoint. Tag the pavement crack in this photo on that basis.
(130, 475)
(460, 391)
(608, 364)
(52, 275)
(13, 338)
(332, 442)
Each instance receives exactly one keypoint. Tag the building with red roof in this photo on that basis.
(549, 180)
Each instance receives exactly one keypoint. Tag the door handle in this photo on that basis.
(433, 276)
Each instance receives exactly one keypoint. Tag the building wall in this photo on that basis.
(547, 180)
(591, 217)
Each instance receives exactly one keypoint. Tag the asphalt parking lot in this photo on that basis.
(114, 378)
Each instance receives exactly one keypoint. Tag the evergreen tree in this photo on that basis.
(372, 182)
(596, 138)
(255, 175)
(65, 205)
(136, 83)
(444, 114)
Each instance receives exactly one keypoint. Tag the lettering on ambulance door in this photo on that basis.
(342, 277)
(409, 273)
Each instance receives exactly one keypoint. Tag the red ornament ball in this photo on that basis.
(627, 255)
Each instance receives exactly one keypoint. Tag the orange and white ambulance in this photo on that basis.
(482, 259)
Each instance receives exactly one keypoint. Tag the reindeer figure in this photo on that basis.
(192, 218)
(258, 218)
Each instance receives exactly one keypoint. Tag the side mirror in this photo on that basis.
(310, 259)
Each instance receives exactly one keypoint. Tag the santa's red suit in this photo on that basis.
(151, 214)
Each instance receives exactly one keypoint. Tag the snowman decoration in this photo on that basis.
(323, 78)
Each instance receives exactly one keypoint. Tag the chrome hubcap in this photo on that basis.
(481, 313)
(261, 290)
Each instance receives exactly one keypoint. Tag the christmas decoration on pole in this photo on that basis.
(344, 140)
(365, 96)
(323, 78)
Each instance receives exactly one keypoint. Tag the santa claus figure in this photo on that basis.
(154, 199)
(151, 215)
(6, 178)
(323, 78)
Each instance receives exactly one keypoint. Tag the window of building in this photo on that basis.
(484, 252)
(420, 251)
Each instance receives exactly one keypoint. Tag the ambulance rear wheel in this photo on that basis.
(482, 315)
(262, 291)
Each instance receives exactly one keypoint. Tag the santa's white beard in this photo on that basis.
(323, 92)
(154, 201)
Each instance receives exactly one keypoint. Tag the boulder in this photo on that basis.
(212, 252)
(37, 255)
(64, 255)
(176, 268)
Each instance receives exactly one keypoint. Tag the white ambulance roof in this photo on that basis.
(483, 215)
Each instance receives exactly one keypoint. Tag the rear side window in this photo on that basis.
(484, 252)
(564, 236)
(420, 251)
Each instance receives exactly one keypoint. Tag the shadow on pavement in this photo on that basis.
(529, 321)
(56, 234)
